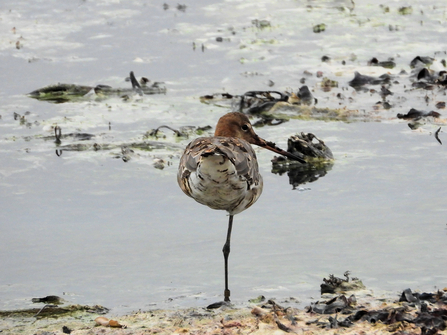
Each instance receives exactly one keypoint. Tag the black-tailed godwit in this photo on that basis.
(222, 171)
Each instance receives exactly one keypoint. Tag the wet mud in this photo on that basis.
(346, 307)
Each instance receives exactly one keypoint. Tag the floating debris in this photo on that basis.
(261, 102)
(384, 92)
(415, 114)
(181, 8)
(440, 105)
(361, 80)
(425, 74)
(437, 135)
(337, 285)
(268, 120)
(275, 107)
(257, 300)
(428, 79)
(155, 132)
(389, 64)
(50, 299)
(61, 93)
(216, 96)
(318, 156)
(327, 84)
(135, 84)
(181, 133)
(319, 28)
(160, 163)
(305, 97)
(421, 61)
(58, 136)
(261, 24)
(405, 10)
(303, 145)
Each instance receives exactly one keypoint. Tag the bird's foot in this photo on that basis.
(227, 295)
(219, 304)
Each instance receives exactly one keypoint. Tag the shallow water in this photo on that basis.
(95, 230)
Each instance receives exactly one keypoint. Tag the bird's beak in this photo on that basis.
(272, 147)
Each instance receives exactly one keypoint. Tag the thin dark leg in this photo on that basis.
(226, 252)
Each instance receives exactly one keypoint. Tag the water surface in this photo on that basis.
(97, 230)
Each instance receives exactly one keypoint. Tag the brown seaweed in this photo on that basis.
(417, 114)
(361, 80)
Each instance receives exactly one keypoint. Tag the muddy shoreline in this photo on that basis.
(343, 312)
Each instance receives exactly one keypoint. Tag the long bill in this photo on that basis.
(272, 147)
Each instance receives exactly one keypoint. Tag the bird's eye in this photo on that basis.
(244, 127)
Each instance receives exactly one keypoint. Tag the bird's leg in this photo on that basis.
(226, 252)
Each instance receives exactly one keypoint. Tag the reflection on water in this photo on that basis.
(318, 155)
(300, 175)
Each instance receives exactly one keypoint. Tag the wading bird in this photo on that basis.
(222, 171)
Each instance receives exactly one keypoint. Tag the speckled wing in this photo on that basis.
(211, 180)
(238, 151)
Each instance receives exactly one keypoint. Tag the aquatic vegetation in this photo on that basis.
(389, 64)
(405, 10)
(319, 28)
(361, 80)
(61, 93)
(318, 156)
(417, 114)
(327, 84)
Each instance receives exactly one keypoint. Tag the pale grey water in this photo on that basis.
(123, 234)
